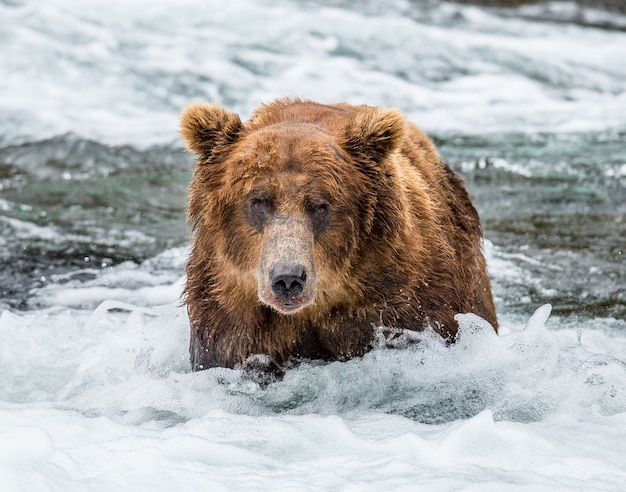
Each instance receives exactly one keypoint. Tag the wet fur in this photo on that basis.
(401, 245)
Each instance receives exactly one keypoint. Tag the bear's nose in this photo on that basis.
(287, 280)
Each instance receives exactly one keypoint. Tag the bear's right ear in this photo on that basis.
(207, 126)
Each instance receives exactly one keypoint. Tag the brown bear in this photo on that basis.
(314, 224)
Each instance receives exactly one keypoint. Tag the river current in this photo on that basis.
(528, 104)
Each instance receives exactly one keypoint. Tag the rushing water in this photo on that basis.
(528, 104)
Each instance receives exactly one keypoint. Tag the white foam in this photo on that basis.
(104, 399)
(121, 72)
(92, 394)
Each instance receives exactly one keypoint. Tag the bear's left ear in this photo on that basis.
(207, 126)
(373, 135)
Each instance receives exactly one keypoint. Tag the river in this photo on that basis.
(527, 103)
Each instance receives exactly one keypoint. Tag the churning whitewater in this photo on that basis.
(97, 393)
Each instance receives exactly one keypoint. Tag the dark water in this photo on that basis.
(552, 204)
(562, 209)
(71, 204)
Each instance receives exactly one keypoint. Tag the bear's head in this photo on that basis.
(282, 205)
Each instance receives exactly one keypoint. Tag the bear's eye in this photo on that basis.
(258, 205)
(320, 217)
(257, 211)
(321, 210)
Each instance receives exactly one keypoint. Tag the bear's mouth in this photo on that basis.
(288, 286)
(286, 306)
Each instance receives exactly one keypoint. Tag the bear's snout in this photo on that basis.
(288, 281)
(286, 271)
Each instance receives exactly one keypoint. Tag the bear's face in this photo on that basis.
(288, 182)
(282, 210)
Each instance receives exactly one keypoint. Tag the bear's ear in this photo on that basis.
(373, 135)
(206, 126)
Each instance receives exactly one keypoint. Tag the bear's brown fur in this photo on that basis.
(314, 224)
